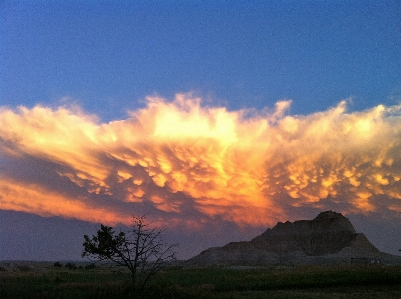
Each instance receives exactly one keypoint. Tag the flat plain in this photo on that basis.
(43, 280)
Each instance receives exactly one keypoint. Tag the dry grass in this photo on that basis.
(273, 283)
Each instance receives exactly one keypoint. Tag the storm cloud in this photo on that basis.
(189, 164)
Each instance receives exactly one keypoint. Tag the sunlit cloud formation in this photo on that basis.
(187, 163)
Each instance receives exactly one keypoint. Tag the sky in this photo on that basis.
(216, 119)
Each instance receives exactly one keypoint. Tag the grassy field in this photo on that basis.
(46, 281)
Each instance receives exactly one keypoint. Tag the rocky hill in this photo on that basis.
(329, 238)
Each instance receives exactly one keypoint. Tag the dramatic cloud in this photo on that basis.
(189, 164)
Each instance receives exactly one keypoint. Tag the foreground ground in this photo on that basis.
(43, 280)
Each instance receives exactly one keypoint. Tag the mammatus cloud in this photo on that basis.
(186, 163)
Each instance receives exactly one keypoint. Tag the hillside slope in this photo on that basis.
(329, 238)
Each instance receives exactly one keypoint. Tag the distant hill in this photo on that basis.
(329, 238)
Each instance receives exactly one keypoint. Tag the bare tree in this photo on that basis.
(141, 249)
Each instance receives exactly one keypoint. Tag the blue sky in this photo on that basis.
(108, 55)
(101, 118)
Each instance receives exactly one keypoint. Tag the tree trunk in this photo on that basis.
(133, 280)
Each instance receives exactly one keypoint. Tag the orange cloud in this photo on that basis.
(184, 159)
(32, 198)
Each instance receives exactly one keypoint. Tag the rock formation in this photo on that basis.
(329, 238)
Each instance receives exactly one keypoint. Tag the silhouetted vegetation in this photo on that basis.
(215, 282)
(58, 264)
(140, 250)
(90, 266)
(71, 266)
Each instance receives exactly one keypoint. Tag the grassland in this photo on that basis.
(46, 281)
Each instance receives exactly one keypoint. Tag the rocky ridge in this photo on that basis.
(329, 238)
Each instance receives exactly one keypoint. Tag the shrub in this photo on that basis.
(57, 264)
(70, 266)
(90, 266)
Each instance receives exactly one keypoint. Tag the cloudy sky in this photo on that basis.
(216, 119)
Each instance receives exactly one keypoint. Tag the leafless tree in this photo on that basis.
(140, 249)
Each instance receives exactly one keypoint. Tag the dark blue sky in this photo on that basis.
(109, 55)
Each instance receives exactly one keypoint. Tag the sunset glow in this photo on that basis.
(183, 158)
